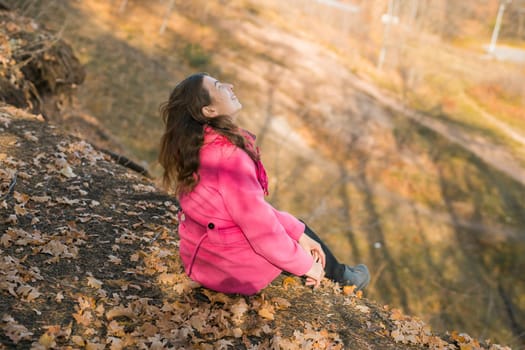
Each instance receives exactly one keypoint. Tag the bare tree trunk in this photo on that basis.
(171, 5)
(413, 12)
(521, 12)
(495, 33)
(122, 6)
(388, 23)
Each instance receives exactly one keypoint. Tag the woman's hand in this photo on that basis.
(313, 248)
(315, 275)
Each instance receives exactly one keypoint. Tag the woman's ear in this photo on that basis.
(209, 111)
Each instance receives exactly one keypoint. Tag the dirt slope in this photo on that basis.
(89, 258)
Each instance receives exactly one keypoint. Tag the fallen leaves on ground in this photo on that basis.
(89, 258)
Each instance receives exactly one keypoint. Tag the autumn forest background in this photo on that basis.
(391, 126)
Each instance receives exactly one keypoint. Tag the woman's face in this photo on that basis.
(223, 100)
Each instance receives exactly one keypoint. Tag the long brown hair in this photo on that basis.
(184, 133)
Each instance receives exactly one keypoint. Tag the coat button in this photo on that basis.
(211, 226)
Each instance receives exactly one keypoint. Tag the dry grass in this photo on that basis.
(503, 98)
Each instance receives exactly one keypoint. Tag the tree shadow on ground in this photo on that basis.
(478, 263)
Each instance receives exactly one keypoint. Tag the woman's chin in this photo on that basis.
(236, 112)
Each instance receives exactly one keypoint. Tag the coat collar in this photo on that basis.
(210, 135)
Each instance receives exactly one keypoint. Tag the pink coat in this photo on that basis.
(231, 239)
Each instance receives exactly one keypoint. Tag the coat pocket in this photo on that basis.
(225, 236)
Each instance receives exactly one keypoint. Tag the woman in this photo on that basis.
(231, 239)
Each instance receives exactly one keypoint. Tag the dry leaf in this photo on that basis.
(120, 311)
(116, 343)
(281, 303)
(6, 240)
(114, 260)
(94, 283)
(349, 290)
(53, 329)
(40, 199)
(15, 331)
(460, 338)
(20, 197)
(78, 340)
(148, 329)
(289, 281)
(396, 334)
(29, 293)
(86, 302)
(397, 315)
(167, 278)
(12, 219)
(6, 122)
(12, 27)
(64, 200)
(143, 188)
(47, 340)
(95, 346)
(238, 310)
(223, 344)
(216, 297)
(266, 312)
(237, 332)
(115, 329)
(33, 294)
(363, 308)
(100, 309)
(29, 136)
(83, 318)
(20, 210)
(68, 172)
(185, 285)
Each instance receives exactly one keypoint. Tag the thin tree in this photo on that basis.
(521, 13)
(122, 6)
(497, 26)
(388, 19)
(167, 15)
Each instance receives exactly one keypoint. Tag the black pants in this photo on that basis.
(333, 269)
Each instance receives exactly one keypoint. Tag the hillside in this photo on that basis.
(417, 182)
(89, 260)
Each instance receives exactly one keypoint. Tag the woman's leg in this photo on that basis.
(334, 270)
